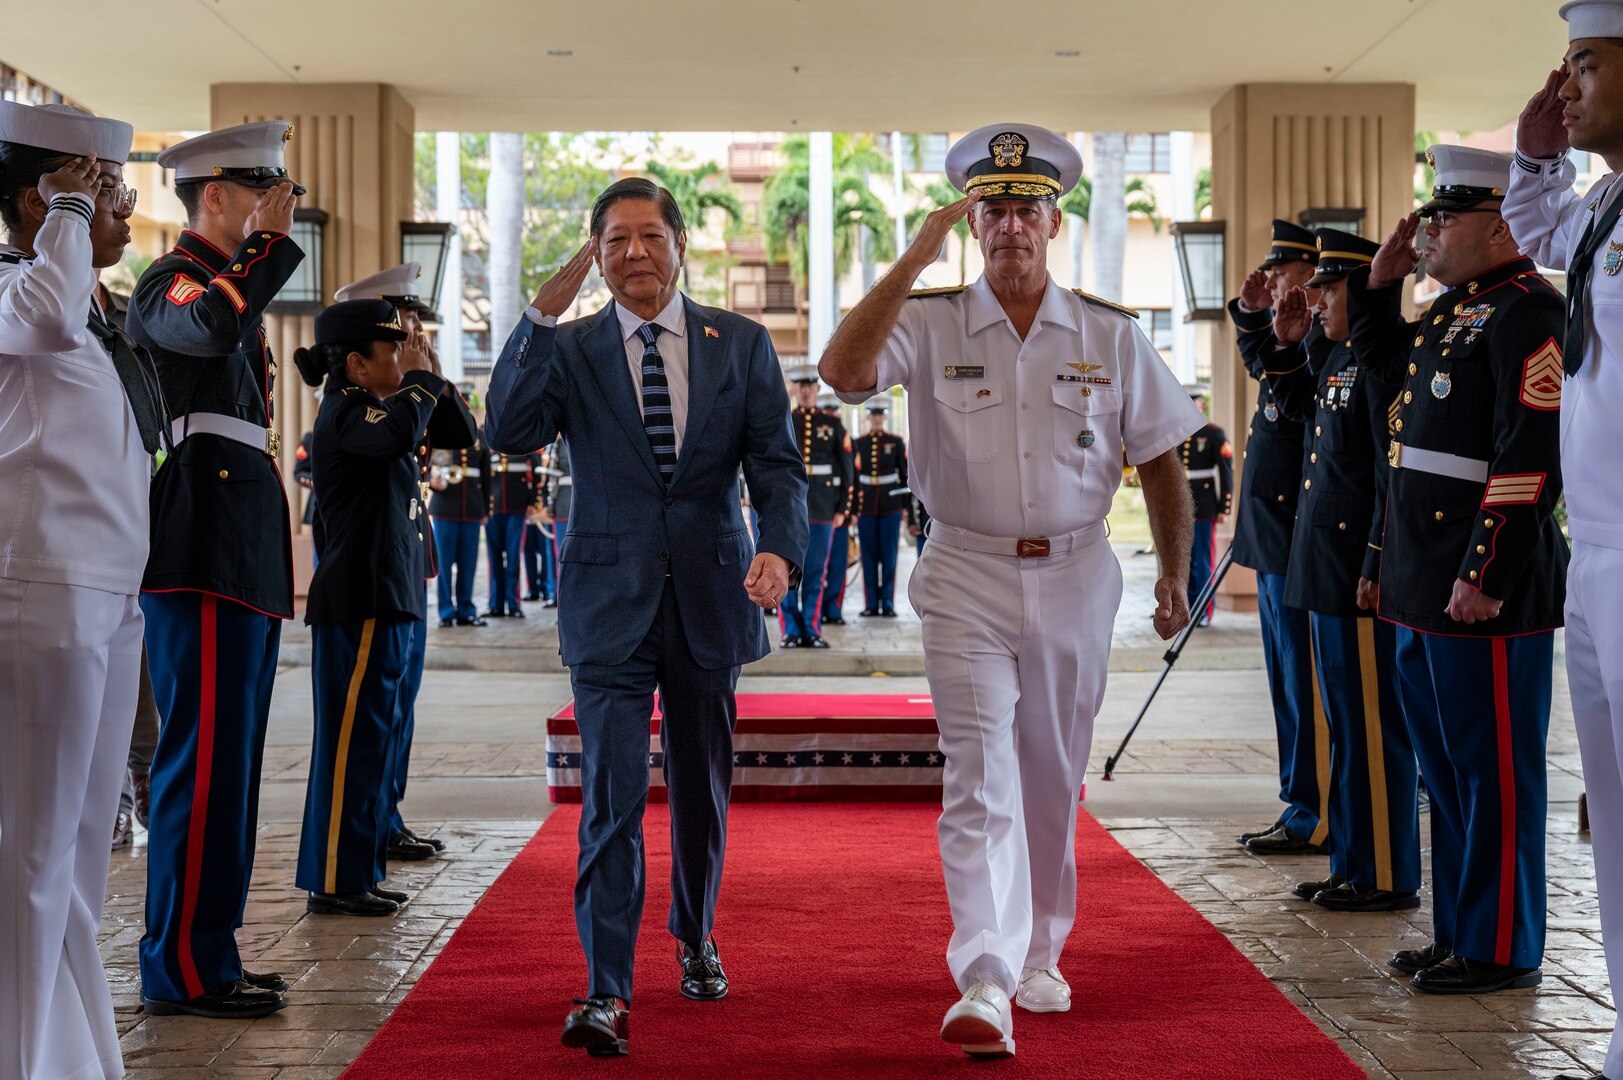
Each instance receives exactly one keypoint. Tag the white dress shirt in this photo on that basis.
(1548, 218)
(73, 473)
(673, 349)
(1012, 438)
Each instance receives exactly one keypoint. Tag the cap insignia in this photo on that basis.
(1008, 150)
(287, 136)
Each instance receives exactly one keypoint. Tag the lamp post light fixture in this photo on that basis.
(428, 244)
(1200, 259)
(1347, 219)
(304, 293)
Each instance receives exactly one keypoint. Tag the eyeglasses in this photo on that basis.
(122, 198)
(1444, 218)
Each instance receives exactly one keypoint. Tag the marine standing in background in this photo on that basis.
(839, 545)
(458, 507)
(825, 449)
(512, 492)
(1208, 463)
(882, 498)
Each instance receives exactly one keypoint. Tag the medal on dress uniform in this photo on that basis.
(1085, 439)
(1441, 384)
(1271, 411)
(1200, 444)
(1614, 259)
(413, 514)
(983, 393)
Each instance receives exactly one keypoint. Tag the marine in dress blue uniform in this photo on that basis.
(882, 498)
(839, 545)
(512, 493)
(1475, 478)
(826, 450)
(365, 596)
(1374, 824)
(1208, 462)
(220, 577)
(458, 507)
(1270, 482)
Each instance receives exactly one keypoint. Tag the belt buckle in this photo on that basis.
(273, 442)
(1032, 547)
(1394, 455)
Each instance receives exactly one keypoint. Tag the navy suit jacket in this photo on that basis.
(626, 530)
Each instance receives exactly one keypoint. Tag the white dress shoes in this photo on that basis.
(1043, 991)
(982, 1022)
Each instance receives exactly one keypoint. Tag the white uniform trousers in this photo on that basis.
(70, 661)
(1016, 652)
(1594, 648)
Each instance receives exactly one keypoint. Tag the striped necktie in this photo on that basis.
(657, 418)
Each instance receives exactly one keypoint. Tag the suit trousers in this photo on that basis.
(1299, 721)
(839, 560)
(1594, 644)
(358, 670)
(879, 536)
(1375, 819)
(457, 545)
(213, 662)
(613, 707)
(1016, 652)
(802, 608)
(70, 663)
(1479, 709)
(411, 681)
(504, 541)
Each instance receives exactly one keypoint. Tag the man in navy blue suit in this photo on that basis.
(662, 402)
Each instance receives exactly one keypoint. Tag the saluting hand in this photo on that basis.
(414, 355)
(1171, 607)
(1397, 258)
(560, 290)
(939, 222)
(1539, 131)
(1293, 319)
(274, 214)
(1254, 293)
(81, 176)
(1470, 605)
(767, 580)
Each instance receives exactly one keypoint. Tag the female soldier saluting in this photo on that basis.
(380, 391)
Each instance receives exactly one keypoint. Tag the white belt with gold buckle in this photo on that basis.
(1436, 462)
(266, 440)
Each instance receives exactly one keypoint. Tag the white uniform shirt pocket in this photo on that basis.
(969, 419)
(1086, 425)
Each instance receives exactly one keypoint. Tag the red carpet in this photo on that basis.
(832, 926)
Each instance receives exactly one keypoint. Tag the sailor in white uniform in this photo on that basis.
(1021, 399)
(1581, 105)
(79, 412)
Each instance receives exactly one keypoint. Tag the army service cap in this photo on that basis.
(1341, 253)
(1291, 243)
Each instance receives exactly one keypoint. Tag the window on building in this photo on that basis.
(1149, 153)
(780, 290)
(932, 153)
(1158, 323)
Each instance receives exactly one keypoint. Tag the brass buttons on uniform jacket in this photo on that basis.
(1314, 458)
(225, 474)
(1439, 515)
(1318, 430)
(1413, 368)
(1473, 575)
(1279, 498)
(1307, 483)
(1408, 396)
(1419, 341)
(1342, 526)
(1487, 523)
(1482, 549)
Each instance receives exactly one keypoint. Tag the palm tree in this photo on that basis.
(1078, 204)
(934, 197)
(786, 204)
(695, 200)
(1203, 191)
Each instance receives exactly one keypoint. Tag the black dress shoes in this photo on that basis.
(702, 977)
(393, 896)
(870, 612)
(1457, 975)
(268, 980)
(123, 830)
(1414, 961)
(437, 845)
(887, 613)
(406, 848)
(790, 641)
(355, 903)
(601, 1026)
(494, 614)
(1307, 890)
(516, 613)
(233, 1001)
(475, 621)
(1243, 837)
(1281, 842)
(813, 643)
(142, 783)
(533, 597)
(550, 603)
(446, 624)
(838, 620)
(1349, 897)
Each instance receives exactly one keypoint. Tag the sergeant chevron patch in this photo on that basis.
(183, 290)
(1541, 378)
(1513, 489)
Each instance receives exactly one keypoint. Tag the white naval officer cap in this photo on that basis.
(397, 284)
(805, 373)
(249, 154)
(65, 129)
(1014, 161)
(1593, 19)
(878, 406)
(1466, 176)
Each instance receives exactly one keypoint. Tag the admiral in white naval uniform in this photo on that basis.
(1581, 105)
(1021, 399)
(79, 416)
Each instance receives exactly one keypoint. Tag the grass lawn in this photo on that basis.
(1129, 520)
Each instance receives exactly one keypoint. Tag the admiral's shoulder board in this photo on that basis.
(1100, 301)
(948, 290)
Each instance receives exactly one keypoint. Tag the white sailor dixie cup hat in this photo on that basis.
(397, 284)
(1014, 161)
(1466, 176)
(248, 154)
(65, 129)
(1593, 19)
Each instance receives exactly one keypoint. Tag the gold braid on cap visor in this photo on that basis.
(1028, 184)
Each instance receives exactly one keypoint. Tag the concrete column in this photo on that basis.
(448, 207)
(820, 283)
(900, 207)
(1278, 148)
(504, 196)
(1183, 209)
(352, 148)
